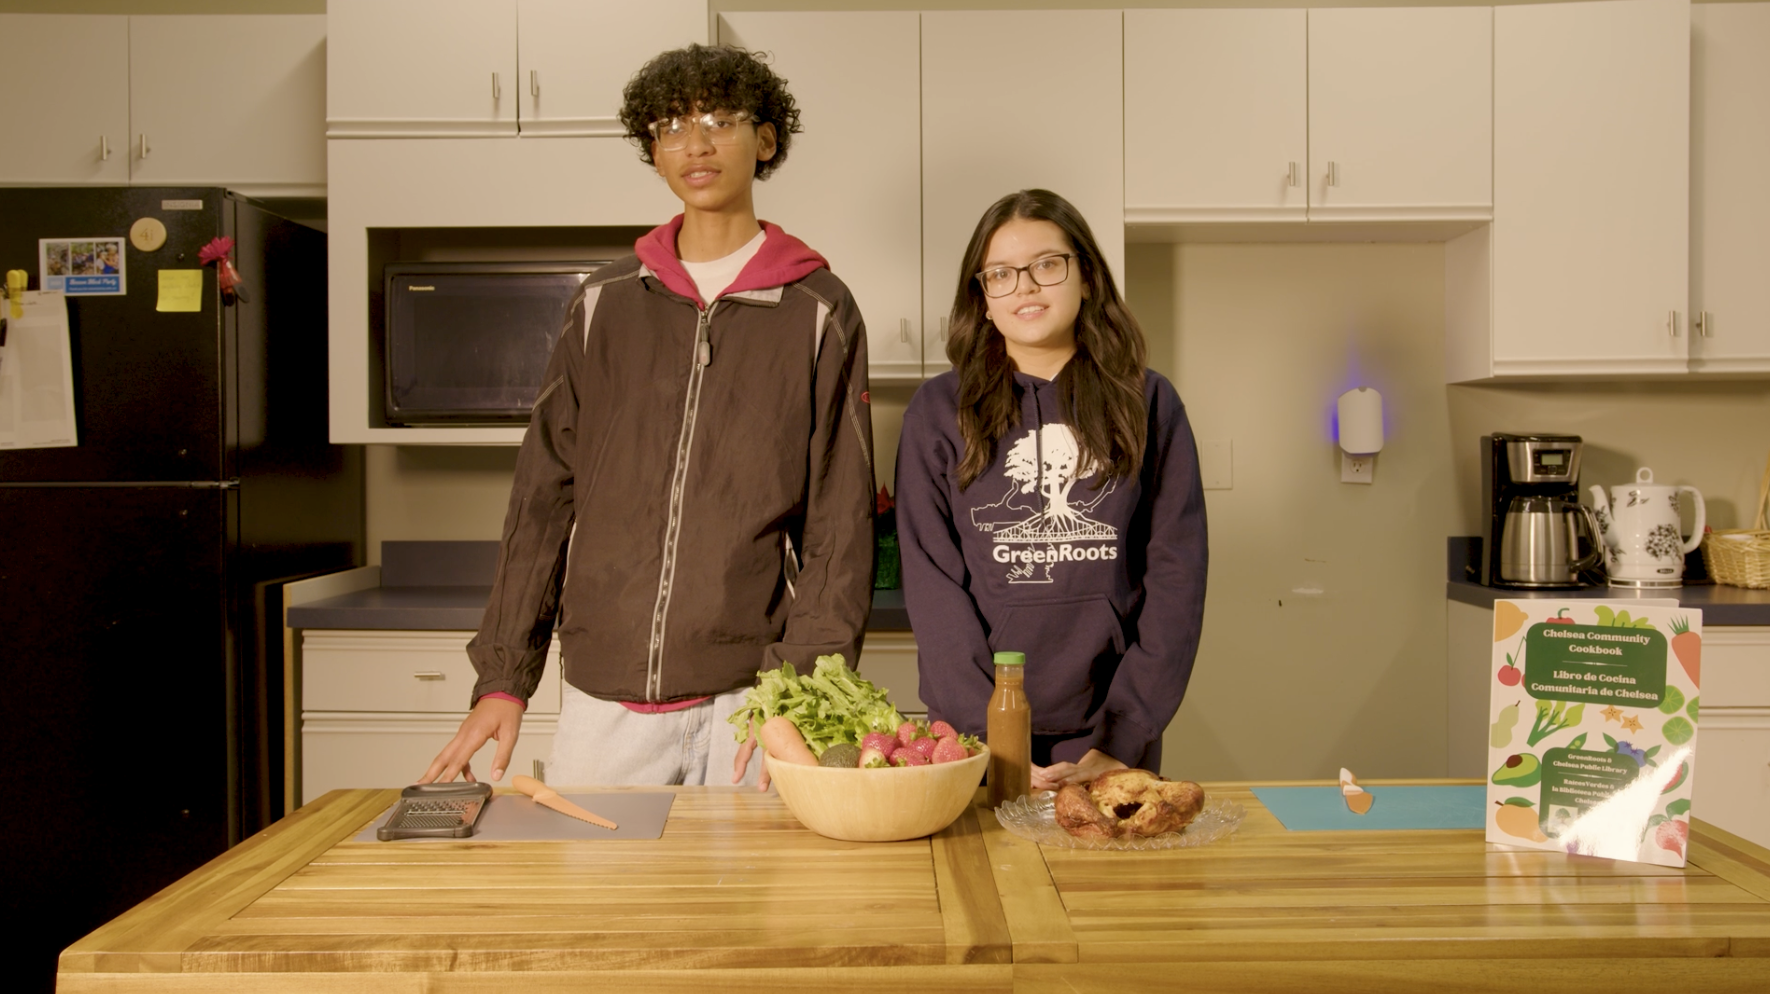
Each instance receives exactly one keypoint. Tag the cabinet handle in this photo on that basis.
(1291, 178)
(943, 322)
(903, 330)
(428, 675)
(535, 90)
(541, 770)
(144, 145)
(1333, 175)
(497, 94)
(1672, 323)
(104, 149)
(1704, 326)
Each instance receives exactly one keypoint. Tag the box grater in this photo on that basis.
(436, 811)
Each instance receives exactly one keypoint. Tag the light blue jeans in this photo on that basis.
(601, 743)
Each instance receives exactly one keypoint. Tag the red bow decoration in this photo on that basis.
(217, 252)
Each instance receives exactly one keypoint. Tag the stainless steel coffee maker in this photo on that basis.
(1533, 523)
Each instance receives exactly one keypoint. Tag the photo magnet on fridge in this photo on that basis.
(1592, 746)
(82, 267)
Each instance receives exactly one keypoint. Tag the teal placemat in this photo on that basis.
(1323, 809)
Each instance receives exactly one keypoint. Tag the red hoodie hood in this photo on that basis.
(781, 260)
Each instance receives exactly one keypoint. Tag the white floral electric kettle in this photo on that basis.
(1642, 543)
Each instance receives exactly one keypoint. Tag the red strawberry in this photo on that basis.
(872, 758)
(925, 746)
(908, 757)
(941, 730)
(907, 732)
(948, 750)
(1672, 835)
(881, 741)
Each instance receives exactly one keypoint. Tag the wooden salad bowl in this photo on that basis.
(888, 805)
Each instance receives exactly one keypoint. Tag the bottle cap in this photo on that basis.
(1010, 659)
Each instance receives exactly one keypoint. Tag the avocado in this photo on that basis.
(841, 754)
(1521, 770)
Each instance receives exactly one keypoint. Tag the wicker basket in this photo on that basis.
(1740, 557)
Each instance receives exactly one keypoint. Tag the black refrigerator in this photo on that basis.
(140, 621)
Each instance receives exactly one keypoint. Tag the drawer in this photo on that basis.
(340, 750)
(1732, 778)
(889, 660)
(400, 671)
(1735, 668)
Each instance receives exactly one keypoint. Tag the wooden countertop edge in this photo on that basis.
(970, 909)
(1037, 919)
(981, 977)
(1740, 862)
(145, 937)
(1717, 975)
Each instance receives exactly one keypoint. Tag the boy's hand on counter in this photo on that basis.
(742, 763)
(491, 718)
(1057, 774)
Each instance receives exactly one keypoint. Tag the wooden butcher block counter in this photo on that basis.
(736, 896)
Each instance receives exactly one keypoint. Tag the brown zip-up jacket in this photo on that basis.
(693, 499)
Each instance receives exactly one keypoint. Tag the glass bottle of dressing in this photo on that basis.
(1010, 731)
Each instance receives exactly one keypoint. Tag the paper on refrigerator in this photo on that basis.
(1592, 746)
(37, 377)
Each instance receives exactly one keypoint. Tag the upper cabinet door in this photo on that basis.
(1216, 115)
(229, 100)
(421, 68)
(1730, 202)
(995, 121)
(851, 185)
(1401, 114)
(574, 58)
(1591, 224)
(69, 119)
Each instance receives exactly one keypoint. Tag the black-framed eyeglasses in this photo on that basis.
(1000, 281)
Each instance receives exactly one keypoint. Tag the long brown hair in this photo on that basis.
(1100, 390)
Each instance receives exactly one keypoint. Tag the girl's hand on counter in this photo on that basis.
(491, 718)
(1057, 774)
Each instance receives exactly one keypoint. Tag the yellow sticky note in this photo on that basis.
(180, 290)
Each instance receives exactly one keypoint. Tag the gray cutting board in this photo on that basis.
(515, 818)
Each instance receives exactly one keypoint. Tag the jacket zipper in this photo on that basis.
(703, 354)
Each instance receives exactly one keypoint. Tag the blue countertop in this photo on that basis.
(1720, 604)
(445, 586)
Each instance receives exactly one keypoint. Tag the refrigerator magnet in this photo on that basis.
(147, 233)
(82, 267)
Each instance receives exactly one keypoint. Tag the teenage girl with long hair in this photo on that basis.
(1048, 502)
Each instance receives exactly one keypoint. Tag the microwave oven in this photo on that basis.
(466, 343)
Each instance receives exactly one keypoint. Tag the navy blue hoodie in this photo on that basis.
(1103, 587)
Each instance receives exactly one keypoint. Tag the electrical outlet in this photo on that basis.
(1216, 463)
(1357, 469)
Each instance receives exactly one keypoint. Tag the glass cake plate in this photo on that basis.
(1035, 818)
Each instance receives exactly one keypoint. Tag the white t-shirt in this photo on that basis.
(711, 278)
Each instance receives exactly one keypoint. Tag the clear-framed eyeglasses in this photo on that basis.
(1000, 281)
(719, 127)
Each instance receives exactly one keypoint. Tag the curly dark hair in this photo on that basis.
(709, 77)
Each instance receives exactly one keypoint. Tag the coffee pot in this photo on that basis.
(1539, 542)
(1643, 546)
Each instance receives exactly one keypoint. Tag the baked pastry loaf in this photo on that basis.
(1128, 802)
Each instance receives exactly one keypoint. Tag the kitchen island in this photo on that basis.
(737, 896)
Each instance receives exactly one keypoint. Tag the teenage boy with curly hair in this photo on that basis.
(693, 498)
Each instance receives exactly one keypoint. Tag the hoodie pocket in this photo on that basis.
(1072, 649)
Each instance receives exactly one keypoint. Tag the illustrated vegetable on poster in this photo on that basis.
(1592, 741)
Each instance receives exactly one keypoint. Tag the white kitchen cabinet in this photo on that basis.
(377, 706)
(1216, 115)
(574, 58)
(1401, 114)
(228, 100)
(1730, 203)
(421, 68)
(1585, 269)
(851, 187)
(995, 120)
(68, 119)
